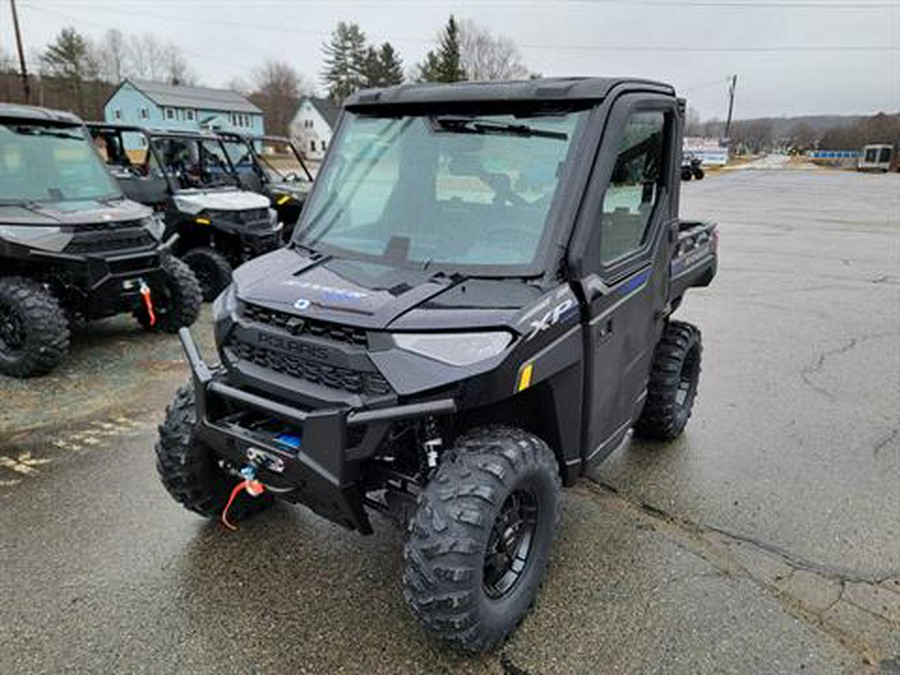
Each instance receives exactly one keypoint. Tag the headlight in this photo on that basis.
(456, 349)
(41, 237)
(155, 226)
(225, 304)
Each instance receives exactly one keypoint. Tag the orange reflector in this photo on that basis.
(525, 376)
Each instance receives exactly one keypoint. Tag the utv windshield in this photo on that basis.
(451, 191)
(193, 163)
(50, 164)
(275, 157)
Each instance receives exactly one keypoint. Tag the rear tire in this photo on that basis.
(189, 469)
(212, 270)
(34, 333)
(674, 377)
(177, 305)
(480, 541)
(686, 174)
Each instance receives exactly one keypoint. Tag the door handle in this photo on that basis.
(604, 333)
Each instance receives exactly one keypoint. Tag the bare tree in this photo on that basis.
(693, 125)
(7, 62)
(277, 88)
(486, 56)
(175, 67)
(111, 56)
(151, 59)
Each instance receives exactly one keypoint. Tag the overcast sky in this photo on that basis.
(791, 56)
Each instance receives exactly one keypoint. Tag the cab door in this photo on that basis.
(629, 215)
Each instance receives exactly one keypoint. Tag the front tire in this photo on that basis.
(674, 377)
(177, 303)
(189, 469)
(480, 541)
(212, 270)
(34, 333)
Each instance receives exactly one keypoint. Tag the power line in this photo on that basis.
(556, 47)
(743, 4)
(77, 20)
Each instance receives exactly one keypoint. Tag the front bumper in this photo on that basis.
(109, 284)
(323, 470)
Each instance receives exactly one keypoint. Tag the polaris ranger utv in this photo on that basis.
(271, 165)
(475, 307)
(187, 177)
(72, 247)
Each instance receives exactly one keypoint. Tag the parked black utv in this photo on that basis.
(692, 167)
(187, 178)
(72, 247)
(271, 165)
(476, 306)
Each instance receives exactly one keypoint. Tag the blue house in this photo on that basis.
(176, 106)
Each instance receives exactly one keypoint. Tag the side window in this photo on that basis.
(634, 186)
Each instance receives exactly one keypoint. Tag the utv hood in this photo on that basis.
(377, 296)
(194, 201)
(72, 213)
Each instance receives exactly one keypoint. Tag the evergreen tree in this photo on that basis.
(383, 67)
(391, 65)
(69, 58)
(345, 61)
(444, 65)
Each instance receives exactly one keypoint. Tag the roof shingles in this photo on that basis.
(203, 98)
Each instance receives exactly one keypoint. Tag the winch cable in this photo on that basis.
(252, 487)
(148, 303)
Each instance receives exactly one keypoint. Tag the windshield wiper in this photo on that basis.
(475, 125)
(33, 131)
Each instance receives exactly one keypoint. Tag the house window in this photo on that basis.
(117, 113)
(190, 115)
(145, 114)
(170, 114)
(324, 146)
(312, 146)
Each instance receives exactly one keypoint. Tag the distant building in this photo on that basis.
(176, 106)
(713, 151)
(313, 126)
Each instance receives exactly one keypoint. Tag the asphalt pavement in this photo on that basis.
(765, 540)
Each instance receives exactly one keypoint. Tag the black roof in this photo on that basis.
(542, 90)
(154, 131)
(34, 114)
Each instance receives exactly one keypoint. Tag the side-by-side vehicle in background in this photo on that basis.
(878, 157)
(271, 165)
(72, 247)
(187, 177)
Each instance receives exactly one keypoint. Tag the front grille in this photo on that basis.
(106, 227)
(355, 382)
(253, 218)
(296, 325)
(129, 265)
(107, 241)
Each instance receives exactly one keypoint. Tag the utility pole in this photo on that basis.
(23, 71)
(731, 89)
